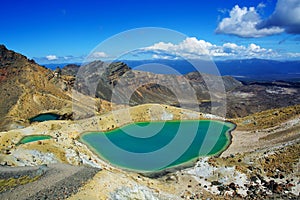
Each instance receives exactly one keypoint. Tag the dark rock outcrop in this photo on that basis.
(70, 70)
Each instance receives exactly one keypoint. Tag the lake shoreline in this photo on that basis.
(41, 137)
(192, 162)
(162, 172)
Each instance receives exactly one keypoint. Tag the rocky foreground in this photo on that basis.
(261, 163)
(54, 181)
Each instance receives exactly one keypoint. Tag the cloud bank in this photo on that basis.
(192, 48)
(98, 55)
(189, 48)
(246, 22)
(51, 57)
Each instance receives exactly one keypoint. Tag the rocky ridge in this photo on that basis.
(27, 89)
(117, 83)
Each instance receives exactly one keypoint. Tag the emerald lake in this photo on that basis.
(44, 117)
(154, 146)
(33, 138)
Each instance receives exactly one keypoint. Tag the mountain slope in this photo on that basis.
(27, 89)
(243, 69)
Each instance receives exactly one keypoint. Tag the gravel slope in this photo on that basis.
(58, 181)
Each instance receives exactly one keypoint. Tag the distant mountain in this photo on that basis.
(248, 69)
(260, 69)
(244, 70)
(61, 65)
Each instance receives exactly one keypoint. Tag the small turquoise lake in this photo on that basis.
(33, 138)
(155, 146)
(44, 117)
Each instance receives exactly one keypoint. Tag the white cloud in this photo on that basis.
(192, 48)
(188, 47)
(68, 57)
(51, 57)
(286, 16)
(261, 5)
(223, 10)
(294, 55)
(243, 23)
(98, 55)
(165, 57)
(59, 59)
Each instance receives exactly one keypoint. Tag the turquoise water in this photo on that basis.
(44, 117)
(155, 146)
(33, 138)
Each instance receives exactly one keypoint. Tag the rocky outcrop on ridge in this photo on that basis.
(118, 83)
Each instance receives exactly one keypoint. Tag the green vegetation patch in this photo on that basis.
(11, 183)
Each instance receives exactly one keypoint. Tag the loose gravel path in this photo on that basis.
(58, 181)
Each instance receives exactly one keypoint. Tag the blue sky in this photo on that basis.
(69, 30)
